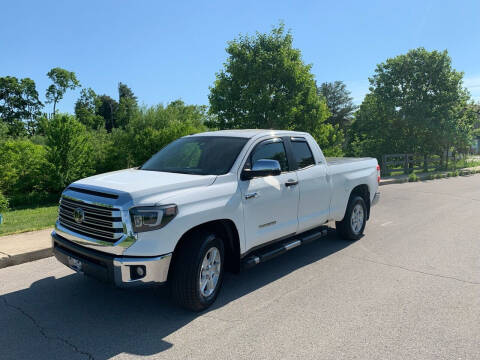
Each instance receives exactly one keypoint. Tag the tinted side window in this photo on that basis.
(302, 153)
(271, 151)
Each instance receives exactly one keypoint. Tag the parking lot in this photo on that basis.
(409, 289)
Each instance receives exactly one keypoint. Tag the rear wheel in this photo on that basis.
(198, 271)
(353, 224)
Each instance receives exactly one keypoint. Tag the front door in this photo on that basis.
(270, 202)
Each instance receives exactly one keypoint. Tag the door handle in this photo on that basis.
(291, 182)
(251, 195)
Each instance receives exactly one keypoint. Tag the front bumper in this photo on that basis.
(119, 270)
(376, 199)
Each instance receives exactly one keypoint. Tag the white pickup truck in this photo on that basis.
(209, 203)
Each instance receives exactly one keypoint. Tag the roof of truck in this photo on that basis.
(248, 133)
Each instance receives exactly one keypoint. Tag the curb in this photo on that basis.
(392, 181)
(11, 260)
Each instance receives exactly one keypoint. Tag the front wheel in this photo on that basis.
(353, 224)
(198, 271)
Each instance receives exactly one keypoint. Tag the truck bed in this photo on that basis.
(344, 160)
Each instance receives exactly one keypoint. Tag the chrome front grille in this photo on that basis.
(98, 222)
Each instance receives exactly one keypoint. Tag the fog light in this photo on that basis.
(140, 271)
(137, 272)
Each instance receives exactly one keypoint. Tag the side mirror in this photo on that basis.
(260, 168)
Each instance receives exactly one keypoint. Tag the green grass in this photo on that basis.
(412, 178)
(17, 221)
(460, 164)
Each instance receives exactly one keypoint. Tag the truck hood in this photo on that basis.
(143, 183)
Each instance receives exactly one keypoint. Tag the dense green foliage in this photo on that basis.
(3, 203)
(36, 167)
(23, 166)
(68, 151)
(86, 109)
(265, 84)
(417, 105)
(19, 105)
(339, 102)
(153, 128)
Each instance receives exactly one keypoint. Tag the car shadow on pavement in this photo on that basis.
(79, 315)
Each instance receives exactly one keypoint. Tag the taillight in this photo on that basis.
(378, 173)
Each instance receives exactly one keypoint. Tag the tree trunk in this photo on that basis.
(446, 159)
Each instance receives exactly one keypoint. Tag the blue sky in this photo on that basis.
(169, 50)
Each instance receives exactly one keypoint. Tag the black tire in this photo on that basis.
(184, 282)
(344, 227)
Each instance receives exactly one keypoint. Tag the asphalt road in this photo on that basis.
(409, 289)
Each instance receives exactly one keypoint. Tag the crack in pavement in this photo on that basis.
(228, 321)
(412, 270)
(5, 254)
(44, 333)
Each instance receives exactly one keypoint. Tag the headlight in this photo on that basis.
(148, 218)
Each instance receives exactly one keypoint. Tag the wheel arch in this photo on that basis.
(228, 232)
(363, 191)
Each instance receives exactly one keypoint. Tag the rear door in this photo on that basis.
(270, 203)
(314, 201)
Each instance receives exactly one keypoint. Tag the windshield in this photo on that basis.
(198, 155)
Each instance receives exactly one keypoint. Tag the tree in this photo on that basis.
(127, 105)
(265, 84)
(151, 129)
(62, 81)
(374, 131)
(463, 120)
(124, 92)
(68, 151)
(339, 102)
(107, 109)
(23, 167)
(416, 105)
(19, 105)
(86, 109)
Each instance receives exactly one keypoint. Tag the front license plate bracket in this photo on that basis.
(75, 264)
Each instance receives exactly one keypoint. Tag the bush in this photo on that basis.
(23, 167)
(3, 203)
(32, 199)
(412, 178)
(103, 154)
(153, 128)
(68, 151)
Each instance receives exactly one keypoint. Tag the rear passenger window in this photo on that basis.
(271, 151)
(302, 153)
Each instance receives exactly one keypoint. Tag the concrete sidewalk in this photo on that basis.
(34, 245)
(29, 246)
